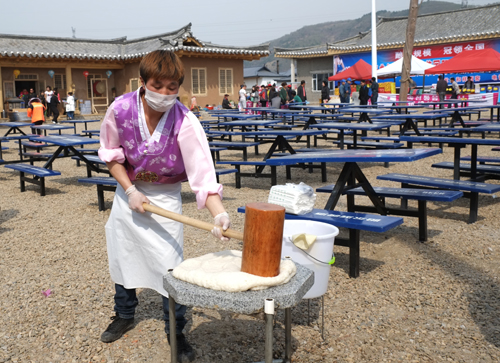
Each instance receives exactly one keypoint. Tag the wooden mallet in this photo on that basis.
(262, 237)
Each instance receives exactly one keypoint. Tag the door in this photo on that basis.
(8, 92)
(99, 95)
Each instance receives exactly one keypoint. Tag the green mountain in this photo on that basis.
(334, 31)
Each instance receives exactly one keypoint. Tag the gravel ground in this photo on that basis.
(413, 302)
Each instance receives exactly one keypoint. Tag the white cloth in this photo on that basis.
(48, 96)
(143, 247)
(70, 104)
(143, 126)
(242, 104)
(222, 271)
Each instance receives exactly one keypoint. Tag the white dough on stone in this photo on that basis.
(222, 271)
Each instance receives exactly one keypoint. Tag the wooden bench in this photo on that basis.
(103, 184)
(470, 189)
(39, 175)
(354, 222)
(405, 194)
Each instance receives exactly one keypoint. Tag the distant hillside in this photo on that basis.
(334, 31)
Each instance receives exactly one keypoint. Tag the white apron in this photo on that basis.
(142, 247)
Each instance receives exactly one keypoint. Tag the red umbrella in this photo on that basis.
(468, 62)
(360, 70)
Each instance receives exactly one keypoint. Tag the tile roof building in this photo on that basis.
(438, 37)
(112, 66)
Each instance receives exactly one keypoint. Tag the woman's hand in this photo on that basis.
(221, 220)
(135, 199)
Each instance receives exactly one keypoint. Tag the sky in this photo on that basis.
(234, 23)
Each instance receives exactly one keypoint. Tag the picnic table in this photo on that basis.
(66, 145)
(14, 127)
(411, 119)
(399, 108)
(492, 108)
(75, 122)
(363, 112)
(456, 114)
(239, 116)
(343, 126)
(458, 143)
(351, 170)
(46, 128)
(19, 139)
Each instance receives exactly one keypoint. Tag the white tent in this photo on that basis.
(394, 69)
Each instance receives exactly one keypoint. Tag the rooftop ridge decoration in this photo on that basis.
(117, 49)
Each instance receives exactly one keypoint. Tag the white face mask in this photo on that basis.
(159, 102)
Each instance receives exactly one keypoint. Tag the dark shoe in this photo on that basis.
(185, 352)
(116, 329)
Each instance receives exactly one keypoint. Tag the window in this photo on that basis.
(60, 81)
(317, 81)
(27, 76)
(134, 84)
(225, 81)
(199, 81)
(89, 84)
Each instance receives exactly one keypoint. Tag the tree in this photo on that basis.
(408, 49)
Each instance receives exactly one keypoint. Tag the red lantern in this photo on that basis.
(86, 74)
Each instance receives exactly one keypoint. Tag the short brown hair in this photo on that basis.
(161, 64)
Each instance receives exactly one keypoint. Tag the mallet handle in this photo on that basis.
(190, 221)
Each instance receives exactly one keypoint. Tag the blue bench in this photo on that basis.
(481, 168)
(259, 167)
(38, 156)
(103, 184)
(405, 194)
(94, 159)
(375, 145)
(39, 175)
(354, 222)
(483, 159)
(471, 189)
(224, 172)
(235, 146)
(38, 146)
(381, 138)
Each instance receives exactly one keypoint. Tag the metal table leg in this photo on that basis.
(288, 335)
(173, 336)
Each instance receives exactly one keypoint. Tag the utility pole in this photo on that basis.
(374, 40)
(73, 30)
(408, 49)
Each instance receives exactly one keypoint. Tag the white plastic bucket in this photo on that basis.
(321, 251)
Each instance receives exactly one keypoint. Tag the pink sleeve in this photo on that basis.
(111, 149)
(197, 160)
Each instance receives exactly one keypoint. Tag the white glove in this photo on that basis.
(135, 199)
(221, 220)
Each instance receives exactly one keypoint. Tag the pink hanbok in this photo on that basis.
(143, 247)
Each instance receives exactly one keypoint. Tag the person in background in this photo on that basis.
(455, 90)
(325, 92)
(469, 86)
(256, 96)
(54, 102)
(441, 87)
(289, 92)
(32, 94)
(342, 91)
(363, 93)
(301, 91)
(242, 98)
(295, 97)
(348, 91)
(225, 103)
(70, 106)
(283, 94)
(374, 88)
(263, 96)
(48, 96)
(41, 97)
(25, 96)
(412, 85)
(274, 97)
(36, 111)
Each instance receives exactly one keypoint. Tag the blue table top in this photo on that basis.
(361, 110)
(51, 127)
(249, 123)
(63, 140)
(401, 106)
(270, 132)
(15, 124)
(234, 115)
(352, 126)
(77, 121)
(340, 104)
(450, 140)
(457, 109)
(353, 155)
(279, 110)
(415, 116)
(485, 128)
